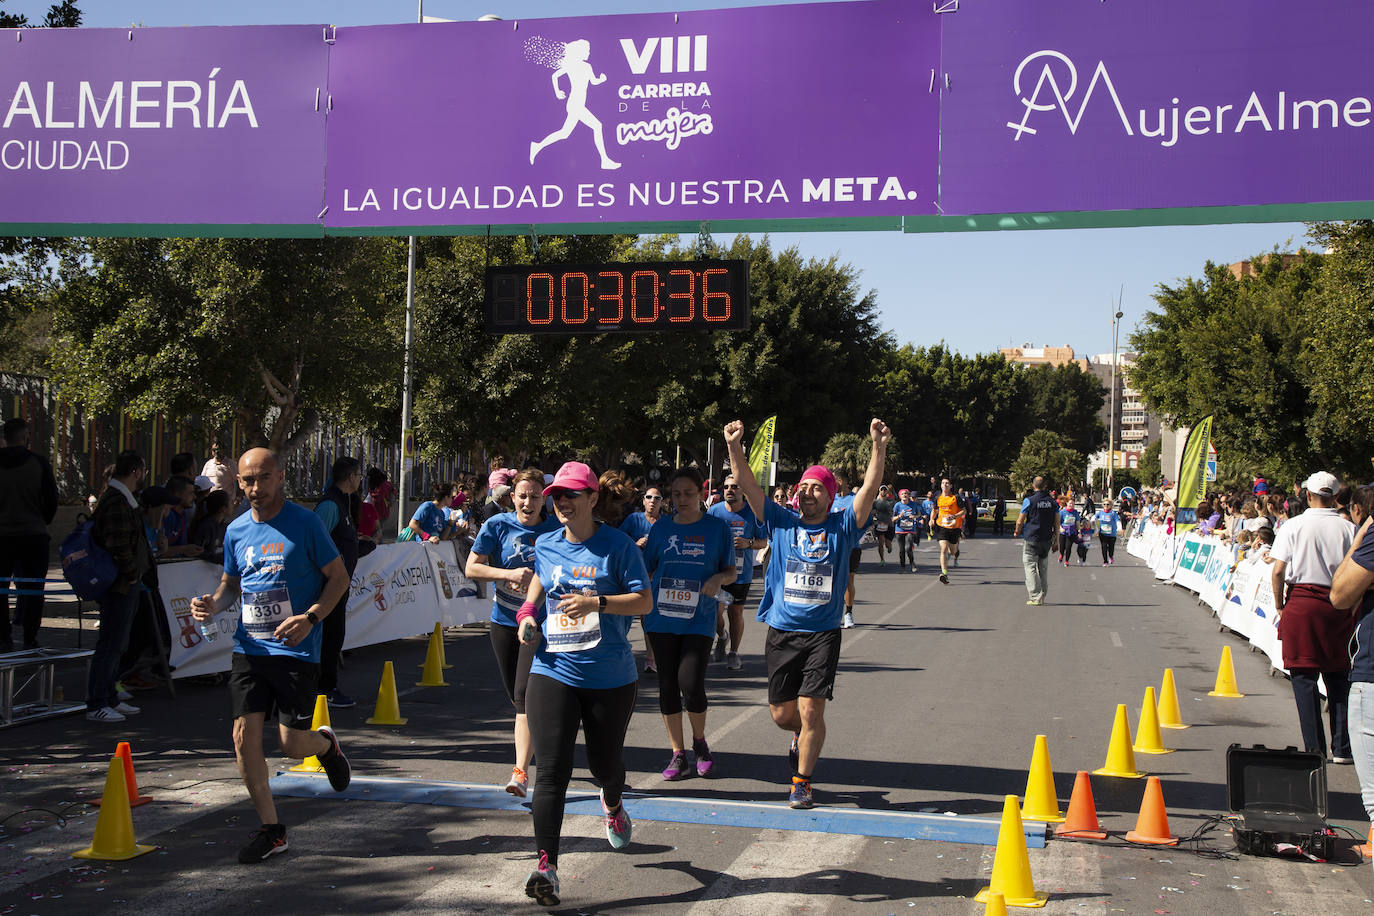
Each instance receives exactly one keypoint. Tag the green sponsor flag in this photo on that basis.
(1192, 471)
(761, 452)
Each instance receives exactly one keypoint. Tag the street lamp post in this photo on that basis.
(1111, 419)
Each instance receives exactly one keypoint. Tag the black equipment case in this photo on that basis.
(1280, 797)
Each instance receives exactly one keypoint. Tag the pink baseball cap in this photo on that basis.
(573, 475)
(821, 474)
(499, 477)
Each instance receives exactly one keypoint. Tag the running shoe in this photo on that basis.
(127, 709)
(706, 764)
(103, 714)
(267, 842)
(649, 667)
(718, 655)
(123, 694)
(848, 620)
(801, 793)
(334, 762)
(944, 577)
(340, 700)
(794, 752)
(1343, 761)
(618, 826)
(732, 661)
(542, 884)
(519, 783)
(677, 767)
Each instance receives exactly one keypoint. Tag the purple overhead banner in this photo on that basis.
(1060, 105)
(807, 111)
(211, 126)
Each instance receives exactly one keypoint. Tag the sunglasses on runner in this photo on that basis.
(652, 499)
(567, 494)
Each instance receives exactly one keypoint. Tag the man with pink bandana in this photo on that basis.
(809, 556)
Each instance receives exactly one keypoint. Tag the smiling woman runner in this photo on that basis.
(589, 582)
(504, 554)
(690, 556)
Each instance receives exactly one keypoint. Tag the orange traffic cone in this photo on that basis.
(1081, 822)
(1170, 716)
(123, 752)
(1367, 850)
(312, 763)
(1042, 804)
(388, 709)
(433, 675)
(114, 827)
(1152, 825)
(997, 905)
(1148, 739)
(1120, 757)
(1011, 875)
(1226, 677)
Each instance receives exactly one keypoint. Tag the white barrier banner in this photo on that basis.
(1236, 612)
(1166, 560)
(1217, 577)
(395, 593)
(1192, 561)
(1264, 619)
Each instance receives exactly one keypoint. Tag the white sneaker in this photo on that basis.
(127, 709)
(848, 620)
(732, 661)
(103, 714)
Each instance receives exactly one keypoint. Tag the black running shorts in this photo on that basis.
(801, 664)
(277, 686)
(947, 534)
(855, 556)
(738, 591)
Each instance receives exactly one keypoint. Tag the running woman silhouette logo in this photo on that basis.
(570, 60)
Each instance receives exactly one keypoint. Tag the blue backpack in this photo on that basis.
(87, 566)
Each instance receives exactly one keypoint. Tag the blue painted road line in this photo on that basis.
(678, 810)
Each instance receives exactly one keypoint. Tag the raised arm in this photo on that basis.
(873, 477)
(744, 475)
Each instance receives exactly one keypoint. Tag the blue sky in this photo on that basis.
(975, 291)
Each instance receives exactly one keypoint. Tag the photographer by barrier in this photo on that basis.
(398, 590)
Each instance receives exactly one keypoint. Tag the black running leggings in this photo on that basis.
(513, 659)
(556, 710)
(1108, 546)
(1065, 547)
(906, 547)
(681, 671)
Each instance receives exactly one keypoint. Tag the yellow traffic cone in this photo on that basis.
(433, 675)
(1170, 716)
(388, 710)
(443, 656)
(1042, 804)
(114, 827)
(997, 905)
(1226, 677)
(1120, 757)
(1148, 740)
(1011, 875)
(312, 763)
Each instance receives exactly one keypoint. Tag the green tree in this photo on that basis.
(849, 454)
(1150, 468)
(64, 15)
(276, 331)
(1066, 399)
(1045, 453)
(1337, 341)
(1234, 348)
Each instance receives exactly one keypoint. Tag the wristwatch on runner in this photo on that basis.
(310, 616)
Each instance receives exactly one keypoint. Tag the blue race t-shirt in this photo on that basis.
(1108, 522)
(1068, 521)
(743, 524)
(680, 558)
(507, 544)
(594, 652)
(636, 525)
(808, 568)
(279, 566)
(431, 519)
(904, 517)
(1362, 642)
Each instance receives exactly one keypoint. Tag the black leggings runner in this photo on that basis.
(1065, 547)
(681, 671)
(906, 547)
(513, 659)
(1108, 547)
(556, 710)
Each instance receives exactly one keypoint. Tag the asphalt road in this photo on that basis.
(941, 693)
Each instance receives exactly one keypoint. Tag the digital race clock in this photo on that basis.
(594, 298)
